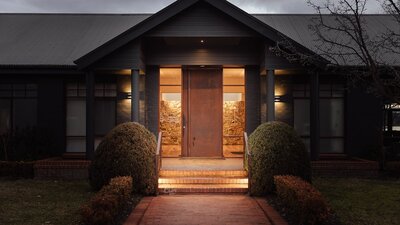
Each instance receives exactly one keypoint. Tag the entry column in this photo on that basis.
(135, 95)
(270, 95)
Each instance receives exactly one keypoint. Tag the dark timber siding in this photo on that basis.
(201, 20)
(129, 56)
(51, 110)
(363, 123)
(152, 97)
(198, 56)
(253, 95)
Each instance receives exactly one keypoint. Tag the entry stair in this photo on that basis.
(202, 181)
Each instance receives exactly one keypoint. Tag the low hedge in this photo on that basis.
(16, 169)
(105, 206)
(303, 200)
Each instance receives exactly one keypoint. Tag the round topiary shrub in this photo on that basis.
(127, 150)
(276, 149)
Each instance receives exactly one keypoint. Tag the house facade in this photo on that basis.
(199, 71)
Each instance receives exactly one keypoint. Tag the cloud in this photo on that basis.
(150, 6)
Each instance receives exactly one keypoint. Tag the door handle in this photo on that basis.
(183, 122)
(194, 139)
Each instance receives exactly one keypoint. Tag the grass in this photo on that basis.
(362, 201)
(41, 202)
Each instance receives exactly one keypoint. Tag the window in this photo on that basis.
(105, 113)
(18, 106)
(331, 115)
(331, 109)
(301, 103)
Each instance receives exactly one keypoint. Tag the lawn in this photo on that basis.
(41, 202)
(362, 201)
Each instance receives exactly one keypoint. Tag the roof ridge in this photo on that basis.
(82, 14)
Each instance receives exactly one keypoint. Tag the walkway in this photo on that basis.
(204, 210)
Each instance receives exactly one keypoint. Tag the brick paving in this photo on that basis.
(201, 210)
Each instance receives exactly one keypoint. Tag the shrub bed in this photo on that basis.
(105, 206)
(276, 149)
(304, 202)
(127, 150)
(16, 169)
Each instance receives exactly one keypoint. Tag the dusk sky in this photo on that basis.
(151, 6)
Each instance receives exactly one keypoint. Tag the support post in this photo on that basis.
(252, 98)
(152, 89)
(270, 95)
(90, 80)
(314, 116)
(135, 95)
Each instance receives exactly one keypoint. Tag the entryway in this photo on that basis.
(202, 111)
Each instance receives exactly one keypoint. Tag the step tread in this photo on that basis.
(203, 173)
(205, 180)
(193, 186)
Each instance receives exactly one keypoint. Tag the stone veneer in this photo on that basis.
(233, 122)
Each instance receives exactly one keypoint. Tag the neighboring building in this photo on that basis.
(199, 70)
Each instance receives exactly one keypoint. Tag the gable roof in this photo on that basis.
(169, 12)
(59, 39)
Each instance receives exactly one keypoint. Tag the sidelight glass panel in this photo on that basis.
(233, 111)
(170, 118)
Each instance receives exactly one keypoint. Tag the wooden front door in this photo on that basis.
(203, 112)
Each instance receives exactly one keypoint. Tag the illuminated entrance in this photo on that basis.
(202, 111)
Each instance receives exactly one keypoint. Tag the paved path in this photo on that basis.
(200, 210)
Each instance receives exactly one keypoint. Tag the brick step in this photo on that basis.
(204, 173)
(202, 180)
(202, 188)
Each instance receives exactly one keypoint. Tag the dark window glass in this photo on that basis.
(332, 117)
(25, 113)
(104, 116)
(302, 116)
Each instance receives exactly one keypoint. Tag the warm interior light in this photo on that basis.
(202, 41)
(171, 96)
(232, 97)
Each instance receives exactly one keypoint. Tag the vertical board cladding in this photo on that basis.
(51, 111)
(152, 85)
(363, 123)
(253, 98)
(129, 56)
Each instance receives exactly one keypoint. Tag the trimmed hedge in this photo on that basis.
(105, 206)
(303, 200)
(276, 149)
(16, 169)
(127, 150)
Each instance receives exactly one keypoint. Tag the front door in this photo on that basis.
(202, 123)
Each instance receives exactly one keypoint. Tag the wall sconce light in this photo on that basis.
(124, 95)
(282, 98)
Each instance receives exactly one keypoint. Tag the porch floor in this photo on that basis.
(202, 164)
